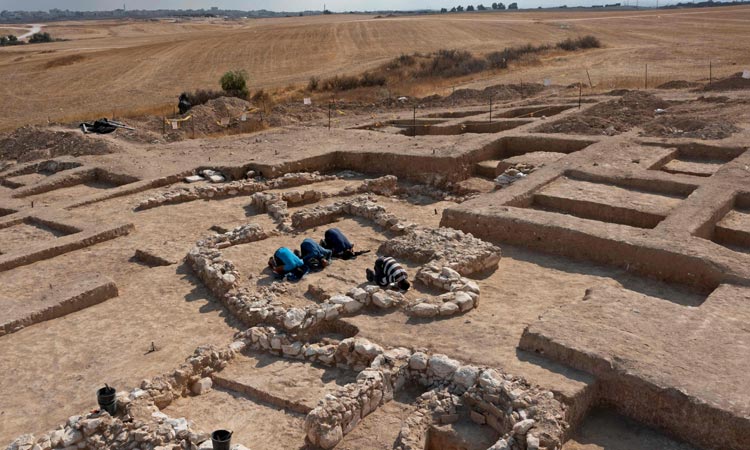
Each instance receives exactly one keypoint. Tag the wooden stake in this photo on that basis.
(580, 93)
(591, 85)
(646, 79)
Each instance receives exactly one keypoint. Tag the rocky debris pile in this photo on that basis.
(33, 142)
(526, 416)
(207, 118)
(678, 126)
(451, 248)
(633, 109)
(433, 406)
(273, 204)
(206, 260)
(462, 295)
(363, 206)
(739, 80)
(231, 189)
(513, 174)
(339, 412)
(498, 92)
(138, 423)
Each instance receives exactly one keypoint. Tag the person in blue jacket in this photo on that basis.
(286, 264)
(335, 241)
(314, 256)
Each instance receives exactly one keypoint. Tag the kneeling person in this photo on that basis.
(286, 264)
(314, 256)
(338, 244)
(387, 272)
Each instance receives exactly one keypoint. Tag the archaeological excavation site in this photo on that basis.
(579, 270)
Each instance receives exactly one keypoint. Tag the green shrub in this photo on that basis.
(234, 83)
(38, 38)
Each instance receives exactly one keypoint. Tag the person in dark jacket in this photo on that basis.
(387, 272)
(314, 256)
(335, 241)
(286, 264)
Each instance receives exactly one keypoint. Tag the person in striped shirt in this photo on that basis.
(387, 272)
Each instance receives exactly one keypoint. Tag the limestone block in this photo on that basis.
(442, 367)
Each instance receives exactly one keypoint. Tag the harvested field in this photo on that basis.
(325, 46)
(579, 274)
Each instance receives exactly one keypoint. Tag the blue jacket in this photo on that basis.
(337, 242)
(312, 250)
(288, 259)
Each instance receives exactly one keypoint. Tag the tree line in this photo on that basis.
(480, 7)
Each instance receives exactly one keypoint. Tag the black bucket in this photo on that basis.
(221, 439)
(107, 399)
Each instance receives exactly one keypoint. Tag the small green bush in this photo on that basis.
(38, 38)
(234, 83)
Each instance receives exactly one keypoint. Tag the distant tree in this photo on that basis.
(453, 9)
(481, 7)
(443, 10)
(38, 38)
(513, 5)
(460, 8)
(470, 8)
(494, 6)
(501, 6)
(9, 40)
(326, 11)
(234, 83)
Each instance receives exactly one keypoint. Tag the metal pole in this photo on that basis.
(415, 120)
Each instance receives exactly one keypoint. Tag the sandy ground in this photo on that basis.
(605, 430)
(55, 80)
(53, 368)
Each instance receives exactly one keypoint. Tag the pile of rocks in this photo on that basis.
(513, 174)
(527, 417)
(433, 406)
(462, 295)
(138, 423)
(239, 187)
(354, 353)
(339, 412)
(363, 206)
(451, 248)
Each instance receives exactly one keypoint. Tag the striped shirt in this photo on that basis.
(388, 271)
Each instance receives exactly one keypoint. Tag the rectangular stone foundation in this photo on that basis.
(69, 298)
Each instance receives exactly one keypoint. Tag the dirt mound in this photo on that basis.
(217, 116)
(690, 127)
(733, 82)
(679, 84)
(498, 92)
(613, 117)
(32, 142)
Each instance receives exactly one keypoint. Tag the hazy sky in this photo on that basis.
(284, 5)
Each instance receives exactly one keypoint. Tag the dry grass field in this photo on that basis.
(133, 65)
